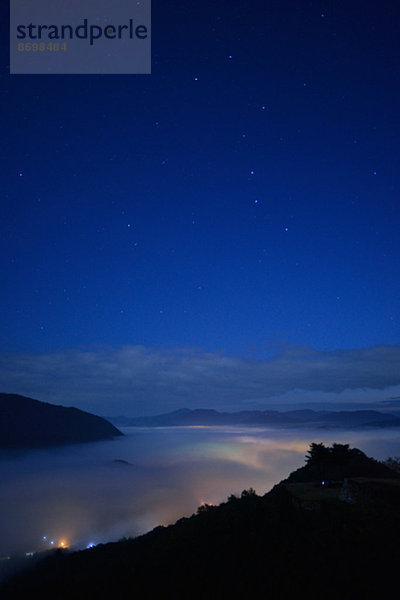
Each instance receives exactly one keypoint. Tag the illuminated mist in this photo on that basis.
(81, 495)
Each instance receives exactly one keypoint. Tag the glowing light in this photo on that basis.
(62, 544)
(205, 503)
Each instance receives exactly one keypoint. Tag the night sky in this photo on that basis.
(236, 209)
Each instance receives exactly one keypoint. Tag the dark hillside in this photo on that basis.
(338, 462)
(26, 423)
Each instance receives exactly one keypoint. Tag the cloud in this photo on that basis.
(137, 380)
(81, 495)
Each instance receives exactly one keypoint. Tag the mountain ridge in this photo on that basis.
(26, 423)
(263, 418)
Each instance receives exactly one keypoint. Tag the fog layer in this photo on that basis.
(99, 492)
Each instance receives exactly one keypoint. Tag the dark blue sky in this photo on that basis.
(244, 195)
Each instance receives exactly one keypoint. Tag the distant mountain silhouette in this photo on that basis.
(301, 539)
(260, 418)
(27, 423)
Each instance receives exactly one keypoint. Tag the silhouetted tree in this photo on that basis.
(340, 453)
(204, 508)
(317, 453)
(393, 463)
(233, 498)
(248, 493)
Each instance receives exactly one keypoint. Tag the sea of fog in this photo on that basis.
(91, 493)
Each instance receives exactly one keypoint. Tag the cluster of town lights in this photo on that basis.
(61, 544)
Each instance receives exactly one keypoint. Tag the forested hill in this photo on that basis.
(27, 423)
(302, 538)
